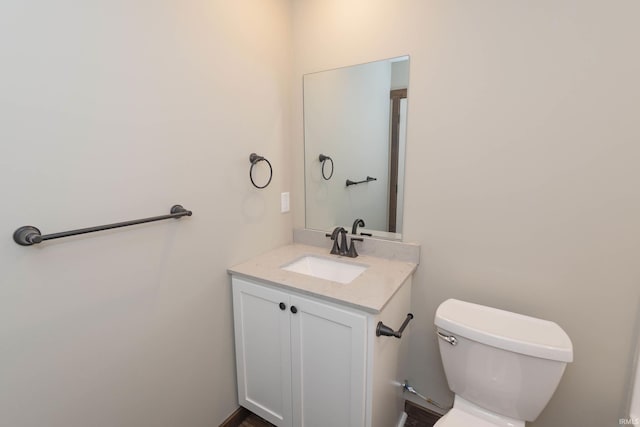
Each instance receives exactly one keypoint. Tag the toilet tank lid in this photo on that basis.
(506, 330)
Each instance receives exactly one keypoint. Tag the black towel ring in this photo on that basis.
(322, 158)
(254, 159)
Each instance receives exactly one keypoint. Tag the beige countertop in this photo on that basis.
(370, 291)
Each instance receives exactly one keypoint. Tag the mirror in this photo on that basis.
(354, 142)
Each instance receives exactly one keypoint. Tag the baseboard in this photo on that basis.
(236, 418)
(403, 419)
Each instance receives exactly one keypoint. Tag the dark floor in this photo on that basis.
(418, 417)
(255, 421)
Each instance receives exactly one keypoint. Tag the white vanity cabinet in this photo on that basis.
(305, 362)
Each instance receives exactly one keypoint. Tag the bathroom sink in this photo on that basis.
(326, 268)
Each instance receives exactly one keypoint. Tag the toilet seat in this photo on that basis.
(467, 414)
(458, 418)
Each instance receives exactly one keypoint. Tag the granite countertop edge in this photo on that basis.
(369, 292)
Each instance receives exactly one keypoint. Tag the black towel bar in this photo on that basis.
(29, 235)
(369, 179)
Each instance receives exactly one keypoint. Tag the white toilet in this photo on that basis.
(503, 367)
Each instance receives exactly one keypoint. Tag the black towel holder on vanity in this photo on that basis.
(29, 235)
(322, 158)
(386, 331)
(255, 159)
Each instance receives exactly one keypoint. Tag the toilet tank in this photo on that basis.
(505, 362)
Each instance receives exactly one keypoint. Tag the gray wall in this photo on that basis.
(521, 186)
(522, 169)
(115, 110)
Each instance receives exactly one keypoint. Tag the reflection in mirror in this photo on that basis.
(355, 140)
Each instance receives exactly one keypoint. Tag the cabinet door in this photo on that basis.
(328, 352)
(263, 351)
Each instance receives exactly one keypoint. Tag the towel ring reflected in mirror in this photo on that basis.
(323, 159)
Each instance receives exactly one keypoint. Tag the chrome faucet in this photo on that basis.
(352, 253)
(342, 247)
(343, 242)
(335, 234)
(356, 223)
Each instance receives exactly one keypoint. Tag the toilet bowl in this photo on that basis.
(503, 367)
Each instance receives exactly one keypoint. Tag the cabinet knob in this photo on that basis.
(283, 306)
(294, 309)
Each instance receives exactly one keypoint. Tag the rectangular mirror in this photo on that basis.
(355, 121)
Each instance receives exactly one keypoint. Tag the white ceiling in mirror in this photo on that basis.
(356, 117)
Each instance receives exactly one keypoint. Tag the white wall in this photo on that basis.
(116, 110)
(347, 119)
(522, 169)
